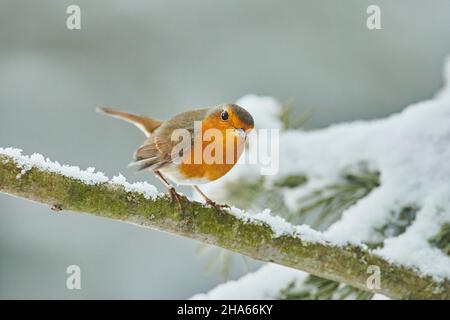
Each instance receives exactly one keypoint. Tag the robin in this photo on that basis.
(167, 157)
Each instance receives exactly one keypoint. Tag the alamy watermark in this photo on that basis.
(73, 20)
(374, 280)
(373, 21)
(73, 281)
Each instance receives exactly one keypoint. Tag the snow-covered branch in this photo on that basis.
(261, 236)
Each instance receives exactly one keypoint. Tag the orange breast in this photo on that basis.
(213, 158)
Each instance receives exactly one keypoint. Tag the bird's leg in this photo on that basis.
(209, 201)
(174, 195)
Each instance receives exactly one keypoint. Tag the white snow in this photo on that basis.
(279, 225)
(411, 150)
(88, 176)
(265, 283)
(431, 260)
(148, 190)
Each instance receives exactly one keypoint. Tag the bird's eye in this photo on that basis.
(224, 115)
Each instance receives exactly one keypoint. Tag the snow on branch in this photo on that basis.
(262, 236)
(405, 215)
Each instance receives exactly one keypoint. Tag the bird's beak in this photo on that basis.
(241, 132)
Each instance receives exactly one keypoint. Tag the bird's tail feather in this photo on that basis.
(146, 125)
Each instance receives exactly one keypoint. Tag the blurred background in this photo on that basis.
(162, 57)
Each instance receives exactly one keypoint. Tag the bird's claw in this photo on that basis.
(219, 207)
(176, 197)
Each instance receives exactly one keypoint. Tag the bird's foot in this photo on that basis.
(217, 206)
(176, 197)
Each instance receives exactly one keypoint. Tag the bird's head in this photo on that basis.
(231, 116)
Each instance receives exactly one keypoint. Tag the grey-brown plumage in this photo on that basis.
(156, 152)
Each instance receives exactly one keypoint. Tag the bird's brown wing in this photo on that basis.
(157, 151)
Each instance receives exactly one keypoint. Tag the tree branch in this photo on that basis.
(347, 264)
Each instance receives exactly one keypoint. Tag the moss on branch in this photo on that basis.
(344, 264)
